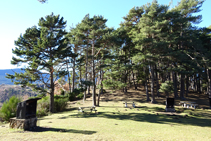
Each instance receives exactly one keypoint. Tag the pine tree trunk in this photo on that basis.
(175, 84)
(73, 77)
(125, 88)
(209, 80)
(51, 108)
(146, 85)
(146, 88)
(157, 82)
(169, 76)
(152, 84)
(86, 73)
(182, 88)
(93, 77)
(134, 81)
(187, 86)
(198, 84)
(194, 83)
(102, 74)
(80, 75)
(68, 77)
(101, 89)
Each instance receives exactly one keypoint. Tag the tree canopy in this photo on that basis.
(157, 47)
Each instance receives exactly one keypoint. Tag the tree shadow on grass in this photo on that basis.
(45, 129)
(153, 117)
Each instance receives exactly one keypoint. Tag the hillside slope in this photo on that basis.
(7, 91)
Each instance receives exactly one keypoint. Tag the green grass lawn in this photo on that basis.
(114, 122)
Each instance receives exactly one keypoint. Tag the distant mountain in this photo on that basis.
(3, 79)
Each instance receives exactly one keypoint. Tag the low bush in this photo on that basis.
(71, 96)
(9, 108)
(43, 106)
(60, 104)
(80, 96)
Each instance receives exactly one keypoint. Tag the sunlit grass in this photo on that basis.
(114, 122)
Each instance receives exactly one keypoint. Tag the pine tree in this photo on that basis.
(42, 49)
(91, 30)
(149, 38)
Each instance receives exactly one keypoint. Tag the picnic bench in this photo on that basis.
(91, 108)
(126, 103)
(187, 104)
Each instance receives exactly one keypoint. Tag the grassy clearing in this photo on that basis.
(114, 122)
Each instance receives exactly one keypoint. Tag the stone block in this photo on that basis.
(25, 124)
(170, 109)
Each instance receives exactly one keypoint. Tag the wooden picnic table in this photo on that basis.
(188, 104)
(91, 108)
(126, 103)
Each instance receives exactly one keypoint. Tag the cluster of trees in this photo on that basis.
(154, 44)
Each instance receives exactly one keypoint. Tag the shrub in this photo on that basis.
(80, 96)
(43, 106)
(76, 92)
(9, 108)
(60, 104)
(71, 96)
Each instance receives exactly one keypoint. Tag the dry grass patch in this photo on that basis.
(114, 122)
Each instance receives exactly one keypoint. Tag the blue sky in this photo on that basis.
(17, 15)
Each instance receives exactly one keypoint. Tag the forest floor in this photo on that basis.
(115, 122)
